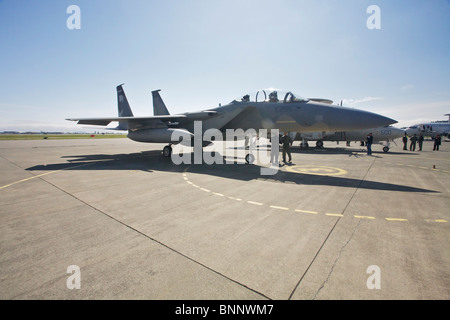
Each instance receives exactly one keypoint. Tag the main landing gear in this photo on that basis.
(167, 151)
(305, 145)
(249, 158)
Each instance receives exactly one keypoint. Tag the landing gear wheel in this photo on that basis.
(304, 146)
(167, 151)
(385, 149)
(249, 158)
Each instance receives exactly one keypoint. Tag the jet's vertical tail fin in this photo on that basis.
(124, 109)
(159, 108)
(122, 102)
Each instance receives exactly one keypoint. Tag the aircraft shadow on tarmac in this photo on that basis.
(150, 161)
(350, 151)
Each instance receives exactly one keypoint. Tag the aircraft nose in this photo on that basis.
(364, 119)
(398, 132)
(385, 120)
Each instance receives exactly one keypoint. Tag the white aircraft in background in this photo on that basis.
(381, 135)
(431, 129)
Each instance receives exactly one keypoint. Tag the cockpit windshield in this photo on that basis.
(271, 95)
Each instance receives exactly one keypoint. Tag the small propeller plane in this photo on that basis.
(265, 109)
(431, 129)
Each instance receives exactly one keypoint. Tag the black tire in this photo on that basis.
(249, 158)
(167, 151)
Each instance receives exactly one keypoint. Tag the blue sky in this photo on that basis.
(205, 52)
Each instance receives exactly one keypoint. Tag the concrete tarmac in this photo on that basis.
(334, 224)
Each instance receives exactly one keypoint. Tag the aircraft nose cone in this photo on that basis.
(359, 119)
(397, 133)
(385, 120)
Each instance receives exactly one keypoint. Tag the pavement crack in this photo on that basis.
(351, 237)
(336, 261)
(328, 236)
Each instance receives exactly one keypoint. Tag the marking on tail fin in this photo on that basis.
(123, 107)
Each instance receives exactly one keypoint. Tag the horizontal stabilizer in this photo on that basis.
(95, 122)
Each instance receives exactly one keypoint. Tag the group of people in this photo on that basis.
(412, 147)
(286, 142)
(414, 139)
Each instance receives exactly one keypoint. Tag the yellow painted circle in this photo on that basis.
(316, 170)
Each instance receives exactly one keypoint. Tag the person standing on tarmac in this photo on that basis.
(420, 141)
(286, 144)
(437, 142)
(405, 142)
(412, 146)
(369, 141)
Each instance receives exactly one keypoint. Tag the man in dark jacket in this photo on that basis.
(437, 143)
(405, 142)
(420, 141)
(286, 144)
(369, 141)
(412, 146)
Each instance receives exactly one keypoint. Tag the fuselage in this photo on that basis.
(305, 116)
(379, 134)
(430, 129)
(260, 110)
(385, 133)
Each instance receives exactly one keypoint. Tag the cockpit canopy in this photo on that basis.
(271, 95)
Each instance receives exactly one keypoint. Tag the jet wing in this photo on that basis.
(135, 120)
(135, 123)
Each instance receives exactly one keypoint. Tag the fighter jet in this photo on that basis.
(265, 109)
(431, 129)
(382, 135)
